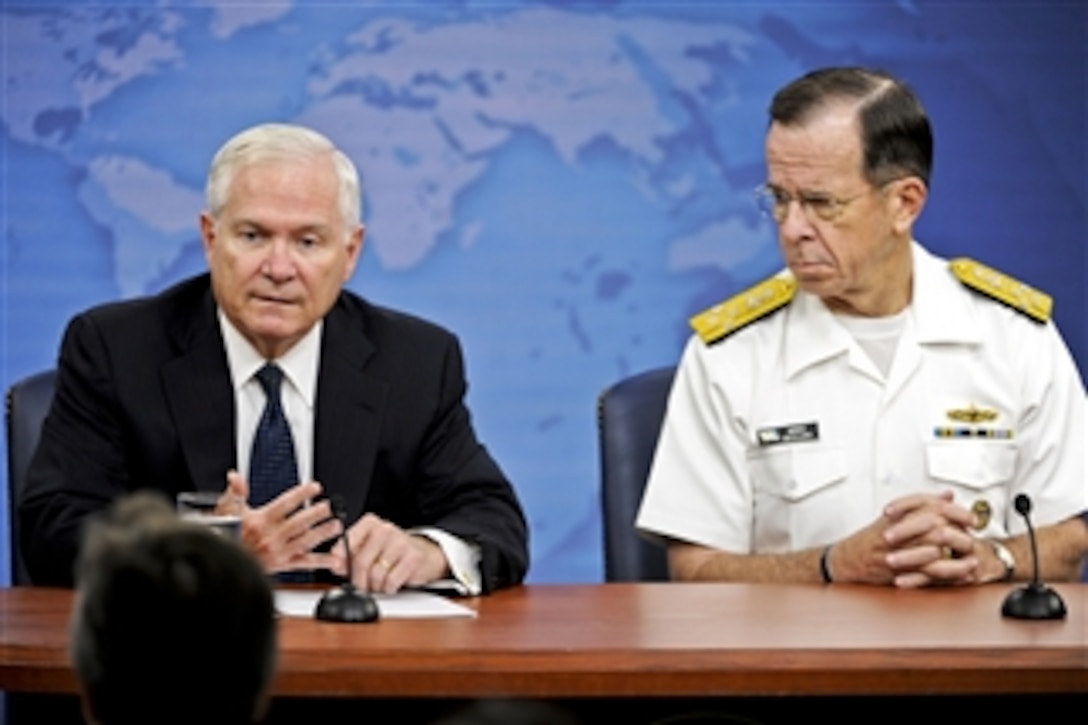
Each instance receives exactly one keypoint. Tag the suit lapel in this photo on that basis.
(349, 410)
(198, 390)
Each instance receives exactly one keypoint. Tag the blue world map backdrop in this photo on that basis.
(562, 184)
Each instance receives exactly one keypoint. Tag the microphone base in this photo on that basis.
(346, 604)
(1033, 601)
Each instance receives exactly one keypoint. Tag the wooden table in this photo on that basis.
(639, 640)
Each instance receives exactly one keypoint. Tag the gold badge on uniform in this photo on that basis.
(982, 511)
(977, 420)
(971, 414)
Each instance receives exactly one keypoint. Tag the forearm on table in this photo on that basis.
(691, 562)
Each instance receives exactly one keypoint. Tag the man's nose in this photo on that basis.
(795, 223)
(279, 262)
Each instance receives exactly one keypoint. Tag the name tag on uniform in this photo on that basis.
(792, 433)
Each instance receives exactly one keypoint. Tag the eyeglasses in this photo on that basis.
(775, 203)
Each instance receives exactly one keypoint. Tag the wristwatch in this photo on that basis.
(1005, 557)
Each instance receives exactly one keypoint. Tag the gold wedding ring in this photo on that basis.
(383, 563)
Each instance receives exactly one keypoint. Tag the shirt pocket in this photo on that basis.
(796, 493)
(978, 474)
(973, 466)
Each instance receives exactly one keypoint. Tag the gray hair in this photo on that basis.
(281, 141)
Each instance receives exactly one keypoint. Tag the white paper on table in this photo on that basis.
(405, 604)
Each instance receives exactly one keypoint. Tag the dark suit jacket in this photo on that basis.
(144, 400)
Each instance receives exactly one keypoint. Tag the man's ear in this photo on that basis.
(355, 250)
(207, 232)
(908, 196)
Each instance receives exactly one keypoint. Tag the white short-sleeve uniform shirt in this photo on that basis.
(785, 435)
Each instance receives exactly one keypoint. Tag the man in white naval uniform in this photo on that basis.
(869, 414)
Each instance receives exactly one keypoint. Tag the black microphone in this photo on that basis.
(345, 603)
(1034, 600)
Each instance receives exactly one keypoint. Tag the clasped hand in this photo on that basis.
(919, 540)
(285, 534)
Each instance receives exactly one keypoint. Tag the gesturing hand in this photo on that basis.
(285, 532)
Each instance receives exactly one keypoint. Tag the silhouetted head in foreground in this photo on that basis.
(173, 623)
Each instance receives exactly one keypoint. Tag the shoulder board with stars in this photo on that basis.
(754, 303)
(1017, 295)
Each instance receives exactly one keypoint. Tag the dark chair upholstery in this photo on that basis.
(27, 403)
(629, 416)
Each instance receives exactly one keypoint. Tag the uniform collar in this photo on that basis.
(812, 334)
(942, 314)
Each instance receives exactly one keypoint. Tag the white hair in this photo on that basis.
(272, 141)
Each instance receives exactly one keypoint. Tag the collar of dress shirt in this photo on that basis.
(299, 364)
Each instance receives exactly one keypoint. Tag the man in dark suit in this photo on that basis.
(163, 393)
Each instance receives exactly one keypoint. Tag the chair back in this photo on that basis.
(27, 403)
(629, 416)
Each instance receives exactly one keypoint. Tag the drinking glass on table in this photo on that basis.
(215, 509)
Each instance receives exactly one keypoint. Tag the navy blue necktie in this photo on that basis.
(272, 467)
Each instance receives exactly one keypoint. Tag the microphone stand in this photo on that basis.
(346, 603)
(1034, 600)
